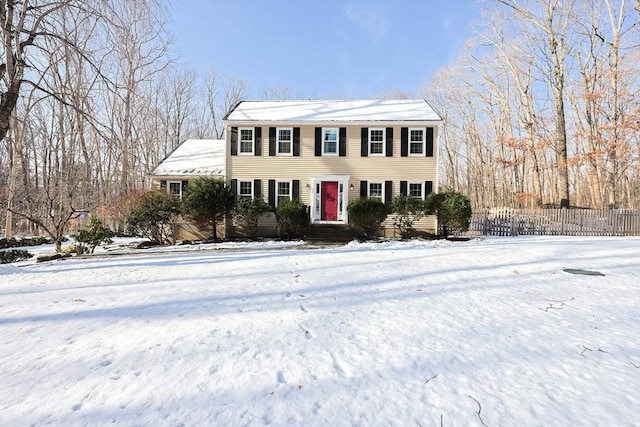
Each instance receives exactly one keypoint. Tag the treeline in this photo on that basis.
(93, 98)
(542, 106)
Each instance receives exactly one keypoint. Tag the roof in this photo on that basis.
(194, 157)
(379, 110)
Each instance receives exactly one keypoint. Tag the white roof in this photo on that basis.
(194, 157)
(379, 110)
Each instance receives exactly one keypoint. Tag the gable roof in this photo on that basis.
(194, 157)
(382, 110)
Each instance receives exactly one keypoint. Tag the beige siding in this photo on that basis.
(396, 168)
(358, 168)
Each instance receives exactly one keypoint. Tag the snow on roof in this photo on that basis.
(194, 157)
(338, 111)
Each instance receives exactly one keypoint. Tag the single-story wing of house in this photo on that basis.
(191, 159)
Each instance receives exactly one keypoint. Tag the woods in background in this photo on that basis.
(541, 107)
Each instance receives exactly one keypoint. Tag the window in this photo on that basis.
(376, 142)
(283, 191)
(245, 189)
(246, 140)
(376, 191)
(416, 141)
(284, 141)
(175, 188)
(330, 142)
(415, 190)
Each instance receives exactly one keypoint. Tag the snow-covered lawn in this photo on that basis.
(488, 332)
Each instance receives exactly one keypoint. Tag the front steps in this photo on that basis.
(329, 233)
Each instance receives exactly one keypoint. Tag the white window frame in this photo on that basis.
(279, 152)
(324, 132)
(423, 142)
(240, 140)
(381, 184)
(421, 184)
(277, 190)
(240, 186)
(383, 142)
(179, 194)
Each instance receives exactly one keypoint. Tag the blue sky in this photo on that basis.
(323, 49)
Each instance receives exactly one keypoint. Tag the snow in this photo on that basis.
(334, 111)
(489, 331)
(194, 157)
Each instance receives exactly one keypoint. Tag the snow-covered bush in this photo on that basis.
(14, 255)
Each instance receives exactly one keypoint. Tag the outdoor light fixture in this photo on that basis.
(308, 186)
(350, 187)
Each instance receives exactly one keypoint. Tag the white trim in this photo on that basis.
(253, 141)
(238, 189)
(383, 142)
(179, 186)
(277, 194)
(278, 153)
(382, 189)
(422, 189)
(424, 142)
(315, 181)
(337, 130)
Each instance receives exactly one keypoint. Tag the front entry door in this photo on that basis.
(329, 198)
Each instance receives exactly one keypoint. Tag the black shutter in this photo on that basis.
(428, 188)
(234, 186)
(272, 193)
(296, 142)
(364, 142)
(364, 191)
(318, 146)
(295, 189)
(272, 141)
(184, 186)
(403, 188)
(429, 150)
(257, 188)
(234, 141)
(342, 144)
(389, 147)
(163, 184)
(257, 138)
(404, 142)
(388, 192)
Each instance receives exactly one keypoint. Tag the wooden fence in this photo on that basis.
(565, 222)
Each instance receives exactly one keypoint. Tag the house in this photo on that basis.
(191, 159)
(328, 153)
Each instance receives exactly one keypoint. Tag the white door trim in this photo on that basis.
(343, 197)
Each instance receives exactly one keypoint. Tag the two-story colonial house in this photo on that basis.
(327, 153)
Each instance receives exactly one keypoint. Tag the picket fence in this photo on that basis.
(565, 222)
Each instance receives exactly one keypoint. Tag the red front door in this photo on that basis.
(329, 197)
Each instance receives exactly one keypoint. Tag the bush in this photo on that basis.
(293, 218)
(247, 213)
(14, 255)
(407, 211)
(92, 235)
(154, 216)
(452, 209)
(207, 201)
(26, 241)
(367, 215)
